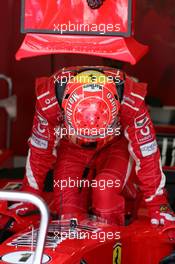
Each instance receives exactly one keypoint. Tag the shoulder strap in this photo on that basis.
(120, 87)
(59, 89)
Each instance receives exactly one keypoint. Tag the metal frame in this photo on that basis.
(43, 31)
(9, 82)
(38, 202)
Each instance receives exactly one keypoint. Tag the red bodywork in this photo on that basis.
(136, 243)
(139, 242)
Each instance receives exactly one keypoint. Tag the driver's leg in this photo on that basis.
(113, 167)
(69, 198)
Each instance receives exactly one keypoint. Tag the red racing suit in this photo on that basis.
(136, 145)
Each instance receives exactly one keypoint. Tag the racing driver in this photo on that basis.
(91, 123)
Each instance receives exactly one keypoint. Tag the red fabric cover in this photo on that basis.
(123, 49)
(43, 14)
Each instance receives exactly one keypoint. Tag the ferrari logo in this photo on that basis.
(117, 254)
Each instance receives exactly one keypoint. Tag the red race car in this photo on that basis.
(88, 240)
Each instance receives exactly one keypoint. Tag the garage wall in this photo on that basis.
(5, 28)
(155, 26)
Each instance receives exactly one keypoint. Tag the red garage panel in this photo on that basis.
(75, 17)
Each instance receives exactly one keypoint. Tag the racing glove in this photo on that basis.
(160, 212)
(23, 209)
(11, 217)
(7, 216)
